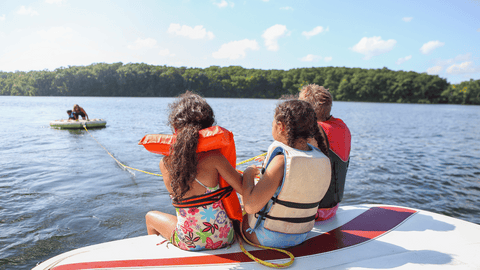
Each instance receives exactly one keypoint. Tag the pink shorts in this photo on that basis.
(326, 213)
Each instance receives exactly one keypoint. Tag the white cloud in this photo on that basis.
(54, 1)
(434, 70)
(197, 32)
(223, 4)
(430, 46)
(311, 58)
(2, 18)
(403, 60)
(235, 49)
(272, 34)
(317, 30)
(463, 57)
(407, 19)
(148, 43)
(286, 8)
(478, 30)
(27, 11)
(166, 52)
(373, 46)
(463, 68)
(315, 58)
(459, 58)
(460, 64)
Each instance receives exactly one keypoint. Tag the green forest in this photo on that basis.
(143, 80)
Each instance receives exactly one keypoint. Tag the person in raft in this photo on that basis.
(71, 115)
(282, 206)
(79, 111)
(339, 140)
(187, 174)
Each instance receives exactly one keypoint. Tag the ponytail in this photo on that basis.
(182, 161)
(290, 121)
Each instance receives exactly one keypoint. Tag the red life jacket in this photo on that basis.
(211, 138)
(339, 139)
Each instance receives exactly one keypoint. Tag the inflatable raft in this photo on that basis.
(76, 124)
(358, 237)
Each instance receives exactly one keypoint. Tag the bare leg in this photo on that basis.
(160, 223)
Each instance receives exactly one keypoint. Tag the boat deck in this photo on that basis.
(358, 237)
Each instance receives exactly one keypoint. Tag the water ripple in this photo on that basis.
(60, 190)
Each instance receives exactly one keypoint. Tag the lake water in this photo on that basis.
(59, 190)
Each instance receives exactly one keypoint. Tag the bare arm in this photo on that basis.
(166, 176)
(84, 113)
(231, 176)
(255, 197)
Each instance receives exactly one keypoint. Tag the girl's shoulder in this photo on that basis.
(278, 160)
(212, 154)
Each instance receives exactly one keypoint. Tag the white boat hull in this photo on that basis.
(77, 124)
(358, 237)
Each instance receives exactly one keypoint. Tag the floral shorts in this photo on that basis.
(204, 227)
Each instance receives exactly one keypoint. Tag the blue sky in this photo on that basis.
(437, 37)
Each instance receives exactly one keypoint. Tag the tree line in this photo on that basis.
(143, 80)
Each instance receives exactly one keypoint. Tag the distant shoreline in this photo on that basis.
(142, 80)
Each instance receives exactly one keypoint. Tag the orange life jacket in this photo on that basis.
(211, 138)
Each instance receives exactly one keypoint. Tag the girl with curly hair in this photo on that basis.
(295, 176)
(187, 174)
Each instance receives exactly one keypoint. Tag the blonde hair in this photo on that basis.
(320, 98)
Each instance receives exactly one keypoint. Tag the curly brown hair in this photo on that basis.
(300, 122)
(320, 98)
(188, 114)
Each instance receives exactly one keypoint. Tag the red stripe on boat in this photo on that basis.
(372, 223)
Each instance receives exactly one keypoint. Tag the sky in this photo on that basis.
(437, 37)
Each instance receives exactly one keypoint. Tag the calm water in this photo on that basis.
(59, 190)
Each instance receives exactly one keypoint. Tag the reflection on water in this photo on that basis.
(60, 190)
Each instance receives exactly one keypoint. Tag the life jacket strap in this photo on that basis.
(294, 204)
(205, 199)
(292, 220)
(263, 214)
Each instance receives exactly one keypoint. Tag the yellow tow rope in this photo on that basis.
(119, 163)
(156, 174)
(269, 264)
(250, 159)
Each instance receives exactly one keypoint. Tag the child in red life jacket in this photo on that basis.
(187, 174)
(282, 206)
(339, 141)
